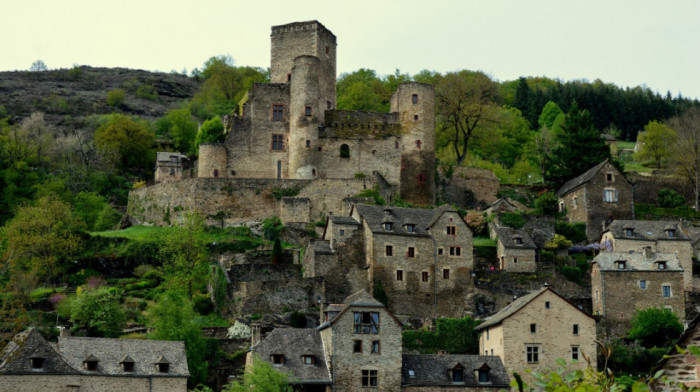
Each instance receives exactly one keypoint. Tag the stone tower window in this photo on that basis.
(277, 112)
(399, 275)
(307, 111)
(277, 359)
(328, 105)
(344, 151)
(419, 144)
(414, 99)
(424, 276)
(396, 144)
(313, 172)
(328, 49)
(415, 117)
(289, 77)
(216, 173)
(277, 142)
(446, 274)
(308, 144)
(421, 179)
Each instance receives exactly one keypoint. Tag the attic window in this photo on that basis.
(609, 177)
(91, 366)
(662, 265)
(387, 212)
(277, 359)
(128, 366)
(163, 368)
(411, 373)
(518, 240)
(458, 374)
(484, 374)
(366, 322)
(671, 233)
(38, 363)
(621, 264)
(387, 226)
(410, 228)
(629, 232)
(309, 359)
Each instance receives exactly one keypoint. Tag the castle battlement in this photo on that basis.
(311, 25)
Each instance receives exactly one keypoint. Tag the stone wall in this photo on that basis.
(469, 188)
(646, 189)
(295, 209)
(682, 367)
(90, 383)
(231, 201)
(516, 260)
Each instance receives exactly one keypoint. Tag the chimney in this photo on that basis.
(63, 331)
(255, 334)
(648, 254)
(443, 352)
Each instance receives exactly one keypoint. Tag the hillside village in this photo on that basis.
(339, 248)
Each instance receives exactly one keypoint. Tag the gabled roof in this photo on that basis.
(636, 261)
(647, 230)
(111, 352)
(294, 343)
(30, 344)
(359, 299)
(582, 179)
(432, 370)
(518, 304)
(422, 219)
(508, 235)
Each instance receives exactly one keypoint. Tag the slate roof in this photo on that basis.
(518, 304)
(580, 180)
(647, 230)
(293, 343)
(510, 204)
(16, 357)
(110, 352)
(507, 236)
(344, 220)
(423, 219)
(361, 298)
(432, 370)
(694, 234)
(165, 156)
(607, 261)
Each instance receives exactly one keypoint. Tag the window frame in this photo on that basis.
(532, 353)
(424, 276)
(666, 291)
(277, 113)
(533, 328)
(389, 250)
(307, 111)
(446, 274)
(642, 284)
(575, 353)
(366, 323)
(411, 252)
(357, 346)
(370, 378)
(376, 344)
(277, 142)
(399, 275)
(575, 330)
(414, 99)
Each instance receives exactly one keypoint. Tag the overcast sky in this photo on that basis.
(629, 43)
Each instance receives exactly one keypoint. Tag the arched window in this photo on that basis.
(344, 151)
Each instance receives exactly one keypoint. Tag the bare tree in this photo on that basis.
(686, 150)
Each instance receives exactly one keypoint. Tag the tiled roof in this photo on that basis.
(344, 220)
(510, 309)
(294, 343)
(422, 219)
(580, 180)
(508, 235)
(432, 370)
(166, 156)
(636, 261)
(647, 230)
(111, 352)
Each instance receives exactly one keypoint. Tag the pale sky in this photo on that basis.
(629, 43)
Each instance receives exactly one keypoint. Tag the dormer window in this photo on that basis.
(671, 233)
(91, 363)
(484, 374)
(127, 364)
(277, 359)
(309, 359)
(661, 265)
(518, 240)
(410, 228)
(629, 232)
(163, 365)
(387, 212)
(38, 363)
(621, 264)
(458, 374)
(387, 226)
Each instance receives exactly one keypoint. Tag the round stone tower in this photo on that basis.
(415, 103)
(212, 160)
(305, 115)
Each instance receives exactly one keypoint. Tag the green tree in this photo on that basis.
(272, 228)
(99, 311)
(130, 141)
(655, 327)
(668, 198)
(581, 147)
(180, 127)
(549, 114)
(464, 102)
(262, 377)
(546, 204)
(212, 131)
(655, 142)
(115, 97)
(686, 149)
(185, 255)
(364, 90)
(457, 335)
(38, 66)
(173, 318)
(44, 238)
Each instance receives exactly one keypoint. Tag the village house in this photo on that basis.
(30, 363)
(517, 251)
(623, 282)
(680, 367)
(170, 166)
(358, 346)
(506, 204)
(535, 330)
(660, 236)
(597, 197)
(421, 258)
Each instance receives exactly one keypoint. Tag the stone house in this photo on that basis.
(660, 236)
(358, 346)
(622, 282)
(597, 197)
(680, 367)
(170, 166)
(30, 363)
(422, 258)
(517, 251)
(533, 331)
(506, 204)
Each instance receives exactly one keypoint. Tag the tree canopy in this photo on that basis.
(655, 327)
(655, 142)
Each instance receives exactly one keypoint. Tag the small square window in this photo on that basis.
(357, 346)
(308, 144)
(399, 275)
(387, 226)
(341, 232)
(574, 353)
(532, 354)
(609, 177)
(307, 111)
(451, 230)
(643, 284)
(410, 228)
(533, 328)
(666, 291)
(662, 265)
(278, 359)
(446, 274)
(575, 329)
(370, 378)
(414, 99)
(629, 232)
(165, 367)
(37, 363)
(671, 233)
(440, 251)
(415, 118)
(389, 250)
(128, 367)
(375, 347)
(309, 359)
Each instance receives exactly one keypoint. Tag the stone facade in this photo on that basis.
(422, 258)
(170, 166)
(681, 367)
(516, 250)
(289, 128)
(469, 187)
(623, 282)
(535, 330)
(597, 197)
(659, 236)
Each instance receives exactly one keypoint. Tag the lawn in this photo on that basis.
(621, 144)
(484, 241)
(149, 233)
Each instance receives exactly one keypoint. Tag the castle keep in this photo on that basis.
(290, 128)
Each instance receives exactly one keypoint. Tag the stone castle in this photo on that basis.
(290, 128)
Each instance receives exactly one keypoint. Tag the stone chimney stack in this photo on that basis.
(255, 334)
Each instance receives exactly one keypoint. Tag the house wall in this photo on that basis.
(491, 343)
(413, 388)
(554, 335)
(85, 383)
(348, 366)
(525, 259)
(575, 205)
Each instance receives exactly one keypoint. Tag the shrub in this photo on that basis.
(669, 198)
(379, 293)
(116, 97)
(373, 193)
(575, 231)
(547, 204)
(297, 320)
(573, 274)
(513, 220)
(655, 327)
(146, 91)
(476, 221)
(558, 242)
(202, 304)
(279, 193)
